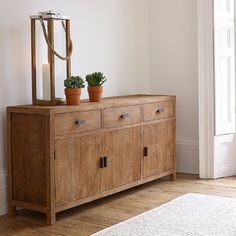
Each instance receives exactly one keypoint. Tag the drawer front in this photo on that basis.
(77, 121)
(121, 116)
(153, 111)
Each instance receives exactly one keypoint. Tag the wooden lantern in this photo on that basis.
(44, 78)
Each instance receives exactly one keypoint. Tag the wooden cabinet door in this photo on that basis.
(77, 167)
(123, 151)
(159, 141)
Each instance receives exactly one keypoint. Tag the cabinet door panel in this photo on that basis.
(123, 150)
(160, 140)
(77, 172)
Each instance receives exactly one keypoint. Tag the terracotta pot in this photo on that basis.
(73, 96)
(95, 93)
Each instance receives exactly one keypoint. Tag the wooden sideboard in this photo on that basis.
(64, 156)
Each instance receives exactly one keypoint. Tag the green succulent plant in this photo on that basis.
(95, 79)
(74, 82)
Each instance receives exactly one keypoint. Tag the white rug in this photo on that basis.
(189, 215)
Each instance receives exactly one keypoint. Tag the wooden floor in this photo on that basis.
(95, 216)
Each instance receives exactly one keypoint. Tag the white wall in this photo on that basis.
(106, 35)
(174, 70)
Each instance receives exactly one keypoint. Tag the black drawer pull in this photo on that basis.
(160, 110)
(125, 115)
(80, 122)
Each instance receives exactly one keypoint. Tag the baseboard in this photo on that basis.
(187, 156)
(3, 192)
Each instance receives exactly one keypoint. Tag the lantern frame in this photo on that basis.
(50, 17)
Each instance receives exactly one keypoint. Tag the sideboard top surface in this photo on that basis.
(86, 105)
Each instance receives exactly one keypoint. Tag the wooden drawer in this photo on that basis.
(153, 111)
(77, 121)
(121, 116)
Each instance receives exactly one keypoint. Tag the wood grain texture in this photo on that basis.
(111, 191)
(77, 170)
(65, 123)
(116, 116)
(33, 207)
(28, 158)
(68, 42)
(51, 60)
(33, 60)
(108, 102)
(95, 216)
(122, 148)
(11, 207)
(50, 168)
(160, 110)
(54, 163)
(159, 140)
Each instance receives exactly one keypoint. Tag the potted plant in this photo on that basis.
(73, 87)
(95, 89)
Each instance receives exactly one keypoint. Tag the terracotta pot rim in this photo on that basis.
(95, 89)
(74, 91)
(95, 86)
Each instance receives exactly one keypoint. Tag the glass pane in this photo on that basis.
(60, 65)
(42, 66)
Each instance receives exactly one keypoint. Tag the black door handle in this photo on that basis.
(105, 161)
(102, 162)
(145, 152)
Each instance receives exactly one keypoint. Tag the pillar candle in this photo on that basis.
(46, 82)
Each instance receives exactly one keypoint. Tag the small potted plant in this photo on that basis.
(73, 87)
(95, 89)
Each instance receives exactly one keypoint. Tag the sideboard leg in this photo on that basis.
(173, 177)
(11, 210)
(51, 218)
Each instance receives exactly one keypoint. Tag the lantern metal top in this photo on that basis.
(49, 15)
